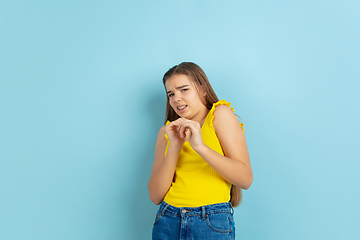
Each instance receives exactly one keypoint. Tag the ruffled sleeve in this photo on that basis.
(165, 133)
(212, 110)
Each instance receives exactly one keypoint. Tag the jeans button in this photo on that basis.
(183, 211)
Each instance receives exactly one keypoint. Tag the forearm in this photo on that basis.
(160, 181)
(232, 170)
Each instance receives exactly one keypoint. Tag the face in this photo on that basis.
(185, 99)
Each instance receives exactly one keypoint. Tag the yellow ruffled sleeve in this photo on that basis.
(165, 133)
(212, 110)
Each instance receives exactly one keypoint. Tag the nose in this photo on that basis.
(177, 98)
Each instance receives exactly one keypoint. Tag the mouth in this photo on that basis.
(182, 108)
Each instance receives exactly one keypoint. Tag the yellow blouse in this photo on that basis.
(196, 183)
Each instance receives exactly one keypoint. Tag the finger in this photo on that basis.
(180, 122)
(170, 127)
(186, 124)
(175, 123)
(184, 127)
(181, 129)
(187, 134)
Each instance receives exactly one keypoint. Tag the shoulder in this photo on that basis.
(223, 109)
(225, 118)
(218, 110)
(162, 129)
(161, 132)
(161, 140)
(230, 133)
(223, 114)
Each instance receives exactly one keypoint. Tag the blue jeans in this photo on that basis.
(207, 222)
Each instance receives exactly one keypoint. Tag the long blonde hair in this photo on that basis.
(198, 76)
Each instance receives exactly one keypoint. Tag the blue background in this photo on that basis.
(81, 101)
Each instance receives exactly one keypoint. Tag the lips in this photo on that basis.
(181, 108)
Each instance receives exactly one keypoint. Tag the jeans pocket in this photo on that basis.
(219, 222)
(158, 216)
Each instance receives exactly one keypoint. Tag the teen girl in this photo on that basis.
(201, 160)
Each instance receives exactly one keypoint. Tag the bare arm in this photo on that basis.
(163, 170)
(235, 167)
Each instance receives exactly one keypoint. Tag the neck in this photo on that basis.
(201, 118)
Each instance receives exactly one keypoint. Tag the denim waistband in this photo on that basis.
(193, 211)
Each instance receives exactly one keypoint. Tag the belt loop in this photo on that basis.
(232, 209)
(203, 212)
(164, 209)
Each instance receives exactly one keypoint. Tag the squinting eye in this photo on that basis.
(184, 90)
(170, 95)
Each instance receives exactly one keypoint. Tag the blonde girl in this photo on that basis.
(201, 160)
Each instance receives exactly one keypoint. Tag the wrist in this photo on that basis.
(175, 147)
(201, 149)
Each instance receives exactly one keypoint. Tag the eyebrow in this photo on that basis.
(178, 88)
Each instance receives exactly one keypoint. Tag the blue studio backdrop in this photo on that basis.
(82, 100)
